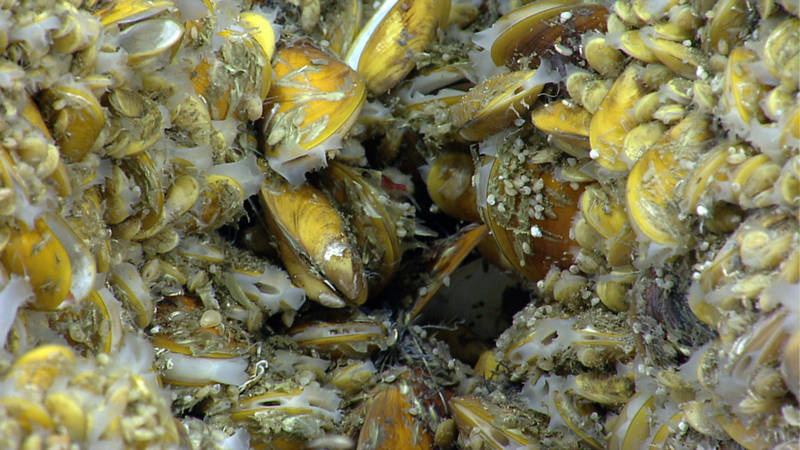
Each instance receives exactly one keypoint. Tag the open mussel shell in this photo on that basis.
(566, 124)
(314, 101)
(310, 400)
(354, 339)
(449, 254)
(150, 40)
(485, 422)
(385, 48)
(315, 245)
(195, 347)
(524, 36)
(130, 11)
(445, 84)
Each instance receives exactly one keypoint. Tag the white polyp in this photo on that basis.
(239, 440)
(245, 172)
(272, 289)
(16, 291)
(81, 262)
(198, 370)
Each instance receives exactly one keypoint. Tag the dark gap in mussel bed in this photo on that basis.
(662, 307)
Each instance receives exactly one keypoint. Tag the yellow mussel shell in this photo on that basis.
(314, 101)
(68, 412)
(127, 11)
(212, 78)
(353, 377)
(54, 259)
(567, 124)
(603, 58)
(631, 43)
(681, 59)
(496, 103)
(310, 226)
(389, 421)
(28, 414)
(473, 417)
(632, 427)
(531, 31)
(136, 123)
(39, 366)
(385, 48)
(782, 52)
(741, 90)
(77, 125)
(449, 183)
(376, 227)
(728, 25)
(602, 211)
(220, 200)
(614, 120)
(651, 183)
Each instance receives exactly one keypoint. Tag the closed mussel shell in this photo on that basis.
(614, 119)
(378, 221)
(77, 124)
(314, 101)
(354, 339)
(55, 260)
(384, 50)
(496, 103)
(534, 236)
(308, 224)
(654, 177)
(390, 424)
(449, 183)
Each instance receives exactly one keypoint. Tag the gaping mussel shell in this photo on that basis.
(525, 36)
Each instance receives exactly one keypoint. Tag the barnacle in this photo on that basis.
(609, 209)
